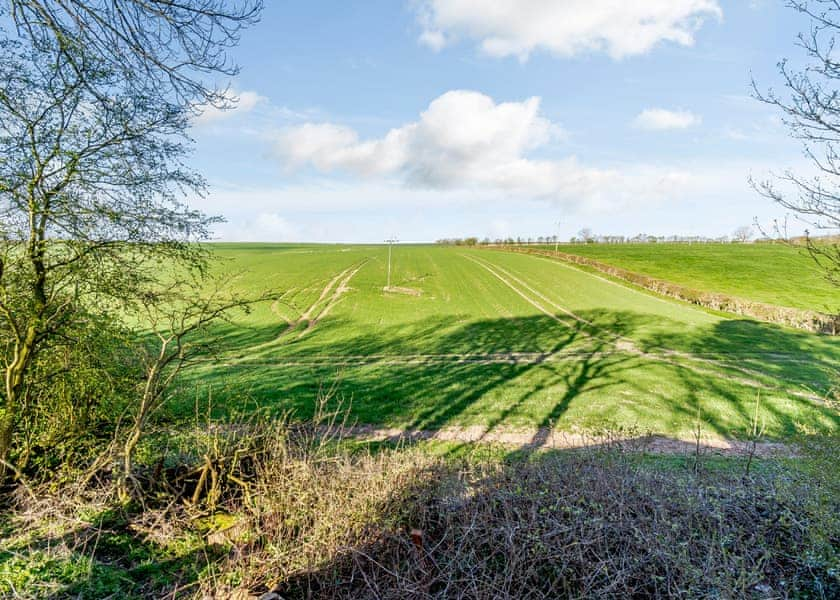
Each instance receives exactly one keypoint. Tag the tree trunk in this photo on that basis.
(127, 466)
(14, 381)
(134, 436)
(7, 430)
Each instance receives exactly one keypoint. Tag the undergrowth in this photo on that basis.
(264, 509)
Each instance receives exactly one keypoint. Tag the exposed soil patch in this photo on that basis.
(320, 308)
(407, 291)
(546, 438)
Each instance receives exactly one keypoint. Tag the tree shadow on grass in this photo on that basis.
(452, 365)
(537, 372)
(570, 524)
(783, 353)
(777, 358)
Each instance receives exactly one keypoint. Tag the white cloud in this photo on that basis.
(564, 27)
(706, 197)
(466, 141)
(241, 102)
(329, 147)
(660, 118)
(462, 137)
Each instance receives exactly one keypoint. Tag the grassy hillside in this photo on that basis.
(252, 506)
(502, 341)
(771, 273)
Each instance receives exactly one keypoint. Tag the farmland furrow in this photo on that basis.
(625, 344)
(337, 286)
(340, 289)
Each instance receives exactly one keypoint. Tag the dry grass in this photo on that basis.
(307, 516)
(402, 526)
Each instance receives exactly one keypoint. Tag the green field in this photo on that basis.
(771, 273)
(504, 341)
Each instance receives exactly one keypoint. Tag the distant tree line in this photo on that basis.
(586, 236)
(468, 241)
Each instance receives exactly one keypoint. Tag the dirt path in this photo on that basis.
(545, 438)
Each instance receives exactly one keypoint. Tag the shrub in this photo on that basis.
(298, 514)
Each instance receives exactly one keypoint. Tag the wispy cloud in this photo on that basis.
(708, 196)
(661, 119)
(240, 103)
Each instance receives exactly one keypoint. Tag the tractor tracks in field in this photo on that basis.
(467, 358)
(451, 358)
(330, 295)
(514, 283)
(339, 285)
(622, 344)
(607, 342)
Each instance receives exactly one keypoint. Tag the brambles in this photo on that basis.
(496, 343)
(307, 516)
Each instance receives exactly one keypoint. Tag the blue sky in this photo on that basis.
(438, 118)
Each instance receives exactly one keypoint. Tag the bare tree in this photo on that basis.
(87, 197)
(810, 107)
(178, 321)
(95, 102)
(160, 48)
(742, 234)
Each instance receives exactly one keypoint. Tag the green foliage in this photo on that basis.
(95, 556)
(32, 570)
(90, 202)
(79, 386)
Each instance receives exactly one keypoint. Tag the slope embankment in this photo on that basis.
(807, 320)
